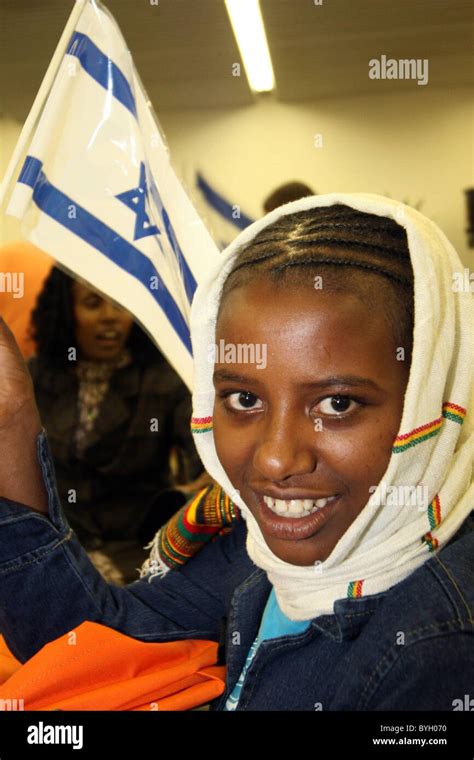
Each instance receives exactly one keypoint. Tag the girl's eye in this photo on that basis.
(335, 406)
(242, 401)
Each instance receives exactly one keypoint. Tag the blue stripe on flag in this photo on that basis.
(58, 206)
(108, 75)
(221, 205)
(101, 68)
(30, 171)
(190, 283)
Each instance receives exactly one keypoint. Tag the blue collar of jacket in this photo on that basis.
(346, 622)
(348, 617)
(248, 603)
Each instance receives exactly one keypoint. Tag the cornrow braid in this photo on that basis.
(345, 263)
(339, 226)
(316, 260)
(351, 247)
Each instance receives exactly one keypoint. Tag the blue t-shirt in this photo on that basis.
(274, 624)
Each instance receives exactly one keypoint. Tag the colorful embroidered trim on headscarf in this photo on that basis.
(454, 412)
(354, 589)
(201, 424)
(431, 541)
(450, 411)
(434, 513)
(434, 519)
(208, 514)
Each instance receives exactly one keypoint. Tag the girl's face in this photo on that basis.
(102, 327)
(317, 421)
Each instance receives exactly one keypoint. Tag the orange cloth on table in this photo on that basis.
(107, 670)
(35, 265)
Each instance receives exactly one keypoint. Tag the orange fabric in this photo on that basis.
(35, 265)
(8, 663)
(97, 668)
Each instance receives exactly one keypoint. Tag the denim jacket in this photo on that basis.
(408, 648)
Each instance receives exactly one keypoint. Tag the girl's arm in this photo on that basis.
(20, 475)
(48, 584)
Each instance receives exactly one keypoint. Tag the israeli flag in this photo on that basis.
(225, 219)
(98, 193)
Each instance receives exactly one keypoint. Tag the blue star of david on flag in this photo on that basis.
(135, 200)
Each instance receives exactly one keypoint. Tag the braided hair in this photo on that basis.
(350, 250)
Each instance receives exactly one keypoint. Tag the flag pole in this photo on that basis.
(41, 97)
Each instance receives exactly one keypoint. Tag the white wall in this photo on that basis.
(9, 133)
(413, 146)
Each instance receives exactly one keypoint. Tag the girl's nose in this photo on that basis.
(284, 451)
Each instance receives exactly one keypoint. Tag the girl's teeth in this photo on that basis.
(295, 507)
(321, 502)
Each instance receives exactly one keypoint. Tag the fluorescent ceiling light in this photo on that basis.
(247, 23)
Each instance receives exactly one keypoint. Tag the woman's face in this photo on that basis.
(317, 421)
(102, 328)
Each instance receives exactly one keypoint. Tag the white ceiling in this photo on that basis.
(184, 49)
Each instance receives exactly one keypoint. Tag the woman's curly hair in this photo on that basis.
(52, 325)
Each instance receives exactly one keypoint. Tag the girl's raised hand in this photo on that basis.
(21, 478)
(16, 386)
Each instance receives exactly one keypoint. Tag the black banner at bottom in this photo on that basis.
(121, 734)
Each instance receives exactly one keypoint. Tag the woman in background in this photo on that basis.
(115, 411)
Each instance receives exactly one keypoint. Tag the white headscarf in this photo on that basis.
(435, 444)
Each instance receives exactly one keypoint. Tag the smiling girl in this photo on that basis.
(297, 438)
(327, 595)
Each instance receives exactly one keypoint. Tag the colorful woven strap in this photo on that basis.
(208, 514)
